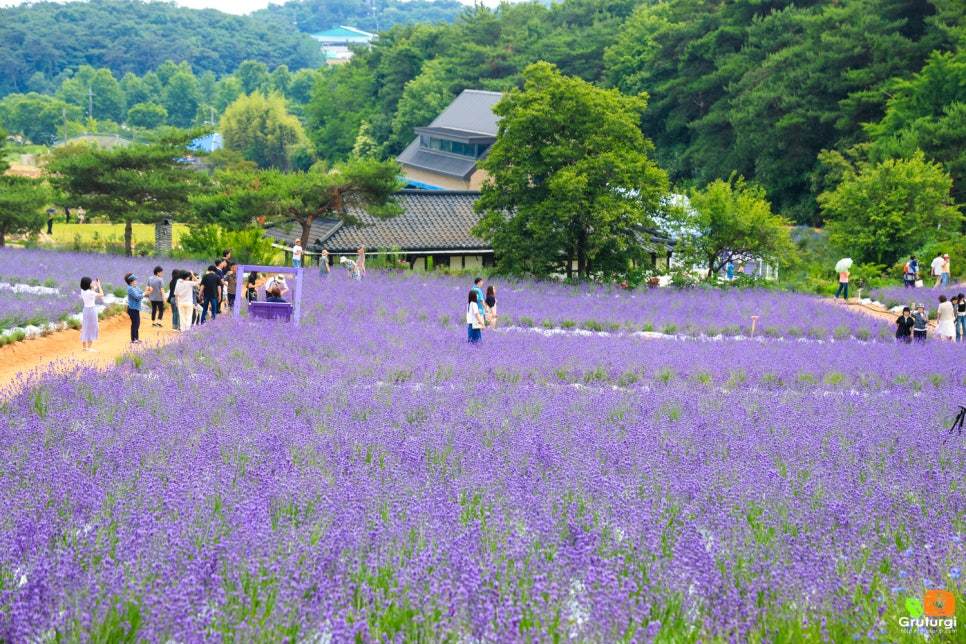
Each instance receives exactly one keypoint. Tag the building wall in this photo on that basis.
(441, 181)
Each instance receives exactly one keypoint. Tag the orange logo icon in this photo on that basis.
(939, 603)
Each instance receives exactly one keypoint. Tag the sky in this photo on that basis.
(228, 6)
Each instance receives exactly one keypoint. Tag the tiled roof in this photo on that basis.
(471, 111)
(432, 220)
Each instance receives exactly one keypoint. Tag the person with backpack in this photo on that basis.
(910, 272)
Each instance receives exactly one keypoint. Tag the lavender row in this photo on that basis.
(22, 309)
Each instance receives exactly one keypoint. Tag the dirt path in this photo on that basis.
(64, 347)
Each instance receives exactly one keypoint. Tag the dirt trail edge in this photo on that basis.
(64, 347)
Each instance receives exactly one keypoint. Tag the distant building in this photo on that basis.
(335, 43)
(444, 155)
(207, 144)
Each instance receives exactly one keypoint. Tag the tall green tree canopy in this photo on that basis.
(729, 221)
(137, 183)
(302, 197)
(880, 212)
(570, 183)
(261, 130)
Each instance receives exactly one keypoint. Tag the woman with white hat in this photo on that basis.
(351, 268)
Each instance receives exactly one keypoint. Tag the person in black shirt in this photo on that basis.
(904, 324)
(211, 291)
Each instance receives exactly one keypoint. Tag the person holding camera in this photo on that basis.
(90, 291)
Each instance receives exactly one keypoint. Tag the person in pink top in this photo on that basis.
(843, 284)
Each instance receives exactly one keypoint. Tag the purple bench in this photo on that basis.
(271, 310)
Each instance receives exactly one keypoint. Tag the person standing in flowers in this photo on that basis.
(351, 268)
(90, 291)
(361, 262)
(945, 320)
(961, 318)
(474, 319)
(921, 322)
(490, 302)
(324, 269)
(297, 254)
(480, 298)
(843, 284)
(904, 324)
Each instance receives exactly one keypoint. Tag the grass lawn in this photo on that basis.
(65, 234)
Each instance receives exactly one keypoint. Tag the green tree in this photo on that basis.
(570, 181)
(254, 77)
(147, 115)
(181, 98)
(98, 89)
(880, 212)
(38, 118)
(423, 99)
(729, 221)
(143, 183)
(229, 90)
(301, 197)
(260, 128)
(21, 200)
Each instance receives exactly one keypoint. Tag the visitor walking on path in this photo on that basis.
(945, 270)
(134, 297)
(474, 319)
(156, 285)
(90, 291)
(945, 320)
(184, 299)
(297, 254)
(911, 272)
(936, 269)
(175, 314)
(211, 289)
(843, 284)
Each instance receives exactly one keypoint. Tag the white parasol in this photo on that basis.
(843, 265)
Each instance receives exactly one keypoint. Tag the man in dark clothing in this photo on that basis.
(211, 290)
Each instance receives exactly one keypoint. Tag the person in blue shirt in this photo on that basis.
(730, 268)
(134, 297)
(911, 272)
(480, 298)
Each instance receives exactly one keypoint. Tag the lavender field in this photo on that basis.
(371, 476)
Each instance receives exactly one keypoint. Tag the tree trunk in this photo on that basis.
(3, 235)
(306, 230)
(128, 237)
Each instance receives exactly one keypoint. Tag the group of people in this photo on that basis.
(938, 270)
(355, 268)
(950, 321)
(192, 298)
(480, 310)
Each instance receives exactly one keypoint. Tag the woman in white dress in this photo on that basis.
(945, 320)
(90, 291)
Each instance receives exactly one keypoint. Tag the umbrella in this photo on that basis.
(51, 211)
(843, 265)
